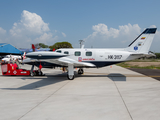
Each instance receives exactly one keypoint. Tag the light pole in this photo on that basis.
(81, 43)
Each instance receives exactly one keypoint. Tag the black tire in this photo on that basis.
(35, 74)
(31, 74)
(80, 71)
(70, 78)
(40, 73)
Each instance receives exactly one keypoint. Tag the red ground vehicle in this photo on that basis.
(12, 69)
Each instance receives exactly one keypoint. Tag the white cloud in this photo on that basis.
(64, 35)
(30, 24)
(112, 37)
(2, 31)
(152, 26)
(43, 38)
(2, 35)
(104, 37)
(102, 30)
(47, 38)
(129, 29)
(32, 29)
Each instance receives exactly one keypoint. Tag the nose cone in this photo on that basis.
(45, 55)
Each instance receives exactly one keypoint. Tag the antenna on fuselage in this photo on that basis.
(81, 43)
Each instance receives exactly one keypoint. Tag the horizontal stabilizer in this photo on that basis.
(143, 55)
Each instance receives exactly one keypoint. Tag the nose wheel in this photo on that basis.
(70, 75)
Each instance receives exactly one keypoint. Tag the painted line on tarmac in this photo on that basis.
(122, 99)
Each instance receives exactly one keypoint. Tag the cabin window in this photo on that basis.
(88, 53)
(66, 52)
(59, 51)
(77, 53)
(6, 56)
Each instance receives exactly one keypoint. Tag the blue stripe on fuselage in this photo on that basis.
(43, 57)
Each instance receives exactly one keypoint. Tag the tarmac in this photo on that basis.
(109, 93)
(154, 73)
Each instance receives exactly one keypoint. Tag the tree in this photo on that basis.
(59, 45)
(42, 45)
(157, 55)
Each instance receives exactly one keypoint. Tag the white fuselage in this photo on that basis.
(98, 55)
(82, 57)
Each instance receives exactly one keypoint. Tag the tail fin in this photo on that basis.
(24, 55)
(33, 47)
(143, 42)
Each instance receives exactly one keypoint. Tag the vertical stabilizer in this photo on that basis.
(143, 42)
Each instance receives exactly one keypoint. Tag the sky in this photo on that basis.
(100, 23)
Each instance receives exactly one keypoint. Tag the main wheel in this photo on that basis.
(80, 71)
(32, 74)
(40, 73)
(70, 77)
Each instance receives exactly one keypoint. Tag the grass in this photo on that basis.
(125, 65)
(145, 60)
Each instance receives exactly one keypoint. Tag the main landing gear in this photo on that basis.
(36, 72)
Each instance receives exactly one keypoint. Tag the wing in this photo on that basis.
(65, 61)
(55, 58)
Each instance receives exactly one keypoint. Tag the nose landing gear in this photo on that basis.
(70, 75)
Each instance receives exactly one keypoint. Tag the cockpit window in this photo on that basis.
(66, 52)
(77, 53)
(88, 53)
(7, 56)
(59, 51)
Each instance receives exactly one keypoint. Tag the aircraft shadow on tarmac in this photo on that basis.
(112, 76)
(52, 79)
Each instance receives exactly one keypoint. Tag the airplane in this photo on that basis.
(91, 58)
(8, 58)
